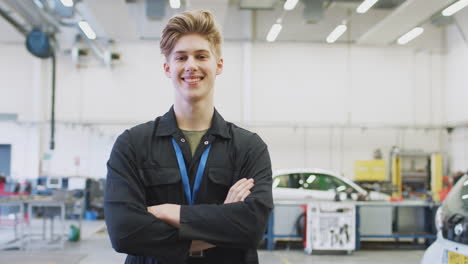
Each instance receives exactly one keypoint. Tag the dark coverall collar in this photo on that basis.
(168, 125)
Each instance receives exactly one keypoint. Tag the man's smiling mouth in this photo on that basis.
(192, 79)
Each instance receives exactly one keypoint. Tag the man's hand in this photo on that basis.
(198, 245)
(169, 213)
(239, 191)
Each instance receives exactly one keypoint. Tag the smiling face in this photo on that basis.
(192, 66)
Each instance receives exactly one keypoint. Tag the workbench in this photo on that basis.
(49, 210)
(428, 231)
(429, 209)
(53, 214)
(7, 209)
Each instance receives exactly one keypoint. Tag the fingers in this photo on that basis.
(198, 245)
(241, 196)
(243, 191)
(239, 191)
(236, 185)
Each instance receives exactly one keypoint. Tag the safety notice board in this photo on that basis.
(331, 226)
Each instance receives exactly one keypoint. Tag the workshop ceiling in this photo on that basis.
(126, 20)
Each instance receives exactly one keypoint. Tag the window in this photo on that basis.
(342, 186)
(312, 181)
(288, 181)
(319, 182)
(281, 181)
(457, 200)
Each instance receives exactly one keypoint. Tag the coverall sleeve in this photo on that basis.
(241, 224)
(131, 228)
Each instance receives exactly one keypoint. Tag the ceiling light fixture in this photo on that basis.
(412, 34)
(274, 32)
(290, 4)
(452, 9)
(174, 3)
(67, 3)
(336, 33)
(87, 30)
(39, 4)
(365, 6)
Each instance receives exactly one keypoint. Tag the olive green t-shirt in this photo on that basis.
(193, 138)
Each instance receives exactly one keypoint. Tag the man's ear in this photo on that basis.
(167, 70)
(220, 64)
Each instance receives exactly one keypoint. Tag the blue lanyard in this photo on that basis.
(183, 171)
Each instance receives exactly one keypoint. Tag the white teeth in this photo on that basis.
(192, 80)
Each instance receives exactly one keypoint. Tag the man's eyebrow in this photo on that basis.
(196, 51)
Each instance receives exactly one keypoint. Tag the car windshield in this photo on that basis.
(312, 181)
(457, 200)
(287, 181)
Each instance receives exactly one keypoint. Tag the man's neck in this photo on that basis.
(194, 116)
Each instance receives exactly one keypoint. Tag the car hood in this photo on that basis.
(378, 196)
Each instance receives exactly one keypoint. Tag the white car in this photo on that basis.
(318, 184)
(451, 245)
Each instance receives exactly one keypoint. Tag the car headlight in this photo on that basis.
(459, 229)
(439, 218)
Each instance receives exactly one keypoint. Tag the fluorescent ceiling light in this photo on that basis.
(67, 3)
(336, 33)
(455, 8)
(274, 32)
(175, 3)
(290, 4)
(365, 6)
(87, 30)
(412, 34)
(39, 4)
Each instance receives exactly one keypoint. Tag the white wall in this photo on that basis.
(301, 84)
(80, 150)
(25, 144)
(456, 83)
(15, 73)
(458, 149)
(328, 85)
(331, 84)
(457, 65)
(21, 94)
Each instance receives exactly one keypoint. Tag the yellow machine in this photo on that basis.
(396, 176)
(437, 175)
(432, 175)
(369, 170)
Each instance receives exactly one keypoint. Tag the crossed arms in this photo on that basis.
(170, 213)
(168, 230)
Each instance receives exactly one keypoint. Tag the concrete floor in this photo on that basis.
(95, 248)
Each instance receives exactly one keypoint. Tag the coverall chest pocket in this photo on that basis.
(220, 180)
(162, 185)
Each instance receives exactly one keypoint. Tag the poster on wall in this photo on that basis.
(331, 226)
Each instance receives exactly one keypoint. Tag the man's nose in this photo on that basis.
(190, 64)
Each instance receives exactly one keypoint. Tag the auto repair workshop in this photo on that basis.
(234, 131)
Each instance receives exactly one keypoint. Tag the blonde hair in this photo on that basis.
(196, 21)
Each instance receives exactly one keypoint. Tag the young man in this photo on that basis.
(189, 187)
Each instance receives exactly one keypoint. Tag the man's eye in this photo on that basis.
(202, 56)
(180, 58)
